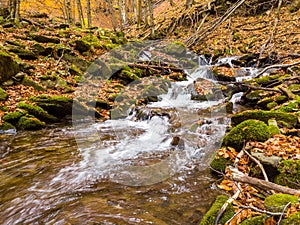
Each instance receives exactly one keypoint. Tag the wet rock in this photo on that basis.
(13, 117)
(3, 95)
(19, 77)
(37, 111)
(205, 90)
(99, 69)
(267, 160)
(8, 66)
(177, 143)
(44, 39)
(224, 74)
(6, 126)
(210, 216)
(249, 130)
(30, 123)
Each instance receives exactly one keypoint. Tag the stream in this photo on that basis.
(132, 170)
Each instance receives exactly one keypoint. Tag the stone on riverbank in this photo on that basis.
(210, 216)
(30, 123)
(249, 130)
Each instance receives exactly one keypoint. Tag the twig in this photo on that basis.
(259, 165)
(276, 66)
(261, 211)
(228, 221)
(282, 213)
(230, 200)
(62, 55)
(241, 177)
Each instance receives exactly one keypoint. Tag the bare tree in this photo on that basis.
(112, 14)
(151, 17)
(123, 14)
(89, 15)
(68, 11)
(80, 13)
(14, 9)
(139, 13)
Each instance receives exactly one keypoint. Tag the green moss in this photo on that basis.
(264, 116)
(249, 130)
(280, 99)
(273, 130)
(292, 106)
(277, 202)
(30, 123)
(3, 95)
(265, 79)
(13, 117)
(289, 173)
(293, 219)
(29, 82)
(220, 164)
(256, 220)
(271, 105)
(6, 126)
(58, 106)
(210, 216)
(37, 112)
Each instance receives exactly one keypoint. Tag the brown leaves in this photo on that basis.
(287, 147)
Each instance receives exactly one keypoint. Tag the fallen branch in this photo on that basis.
(241, 177)
(282, 213)
(259, 165)
(224, 207)
(276, 66)
(261, 211)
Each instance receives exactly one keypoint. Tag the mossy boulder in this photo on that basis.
(45, 39)
(289, 173)
(256, 220)
(290, 107)
(30, 123)
(59, 106)
(293, 219)
(220, 164)
(13, 117)
(249, 130)
(27, 81)
(6, 126)
(277, 202)
(8, 66)
(80, 63)
(287, 118)
(37, 111)
(210, 216)
(23, 53)
(3, 95)
(82, 46)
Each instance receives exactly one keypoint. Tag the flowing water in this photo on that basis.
(135, 170)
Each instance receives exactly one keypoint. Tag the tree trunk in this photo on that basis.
(171, 2)
(146, 12)
(89, 15)
(123, 16)
(150, 8)
(139, 13)
(17, 11)
(112, 14)
(135, 14)
(80, 13)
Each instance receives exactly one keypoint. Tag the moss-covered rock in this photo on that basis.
(3, 95)
(82, 46)
(82, 64)
(293, 219)
(290, 119)
(37, 111)
(59, 106)
(6, 126)
(289, 173)
(210, 216)
(249, 130)
(44, 39)
(273, 128)
(27, 81)
(277, 202)
(220, 164)
(23, 53)
(292, 106)
(8, 66)
(256, 220)
(13, 117)
(30, 123)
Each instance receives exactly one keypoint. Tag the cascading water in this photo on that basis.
(145, 168)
